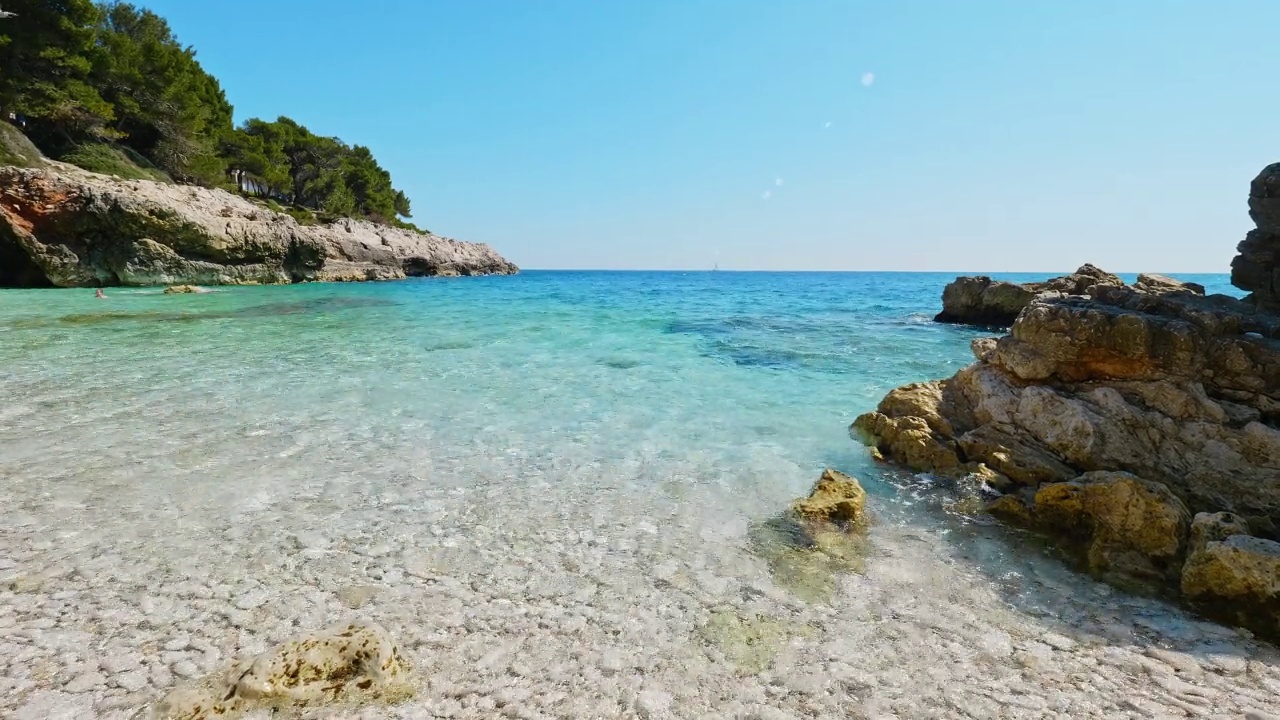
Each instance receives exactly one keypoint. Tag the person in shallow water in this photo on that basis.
(98, 294)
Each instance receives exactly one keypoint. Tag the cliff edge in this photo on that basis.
(1137, 426)
(66, 227)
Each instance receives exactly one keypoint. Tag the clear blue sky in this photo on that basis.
(983, 135)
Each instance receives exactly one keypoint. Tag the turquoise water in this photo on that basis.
(510, 462)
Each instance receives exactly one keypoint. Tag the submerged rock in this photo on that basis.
(819, 537)
(1113, 413)
(750, 643)
(66, 227)
(182, 290)
(349, 662)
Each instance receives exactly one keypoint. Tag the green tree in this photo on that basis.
(110, 83)
(46, 67)
(167, 107)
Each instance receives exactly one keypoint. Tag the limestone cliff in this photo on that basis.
(1139, 426)
(66, 227)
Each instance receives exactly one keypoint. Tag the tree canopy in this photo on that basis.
(79, 72)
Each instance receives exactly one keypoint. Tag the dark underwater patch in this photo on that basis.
(314, 306)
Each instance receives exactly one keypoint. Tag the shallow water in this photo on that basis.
(545, 487)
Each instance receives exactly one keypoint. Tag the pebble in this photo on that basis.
(652, 704)
(611, 661)
(185, 668)
(85, 682)
(252, 599)
(132, 681)
(1058, 642)
(121, 663)
(178, 643)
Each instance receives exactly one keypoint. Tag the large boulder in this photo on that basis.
(1124, 528)
(982, 301)
(344, 664)
(67, 227)
(1237, 580)
(979, 300)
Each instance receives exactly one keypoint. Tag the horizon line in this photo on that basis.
(905, 272)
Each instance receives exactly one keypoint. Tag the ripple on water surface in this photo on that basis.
(549, 488)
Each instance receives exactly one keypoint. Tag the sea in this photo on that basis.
(554, 490)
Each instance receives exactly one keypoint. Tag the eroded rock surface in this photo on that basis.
(1257, 267)
(819, 536)
(1110, 414)
(65, 227)
(1129, 529)
(347, 662)
(979, 300)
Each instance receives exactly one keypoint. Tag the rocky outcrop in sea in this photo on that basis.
(979, 300)
(1138, 426)
(67, 227)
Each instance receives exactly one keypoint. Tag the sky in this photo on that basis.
(987, 135)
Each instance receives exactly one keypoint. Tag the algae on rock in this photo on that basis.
(819, 537)
(749, 643)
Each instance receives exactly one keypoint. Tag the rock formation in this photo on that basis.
(981, 301)
(1111, 417)
(343, 662)
(996, 303)
(62, 226)
(1257, 267)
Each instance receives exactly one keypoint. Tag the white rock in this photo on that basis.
(121, 663)
(185, 668)
(652, 704)
(178, 643)
(611, 661)
(85, 682)
(132, 681)
(50, 705)
(253, 599)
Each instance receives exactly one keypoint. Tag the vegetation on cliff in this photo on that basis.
(109, 87)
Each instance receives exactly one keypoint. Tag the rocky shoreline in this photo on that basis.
(1137, 426)
(65, 227)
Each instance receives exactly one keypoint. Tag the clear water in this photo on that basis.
(544, 486)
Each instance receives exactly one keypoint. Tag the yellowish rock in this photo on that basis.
(907, 440)
(1011, 509)
(355, 662)
(1130, 530)
(1215, 527)
(182, 290)
(1236, 580)
(836, 498)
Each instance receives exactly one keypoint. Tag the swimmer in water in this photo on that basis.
(98, 294)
